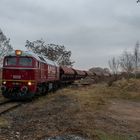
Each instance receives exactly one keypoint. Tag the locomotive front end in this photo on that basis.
(18, 76)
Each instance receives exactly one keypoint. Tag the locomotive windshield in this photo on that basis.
(25, 61)
(18, 61)
(10, 61)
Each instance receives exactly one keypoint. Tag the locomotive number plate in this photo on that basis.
(16, 76)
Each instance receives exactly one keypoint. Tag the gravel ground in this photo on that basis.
(42, 119)
(65, 137)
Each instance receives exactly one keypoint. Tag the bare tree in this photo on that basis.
(5, 46)
(114, 65)
(126, 62)
(36, 46)
(136, 58)
(57, 53)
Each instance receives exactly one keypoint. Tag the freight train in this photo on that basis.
(26, 74)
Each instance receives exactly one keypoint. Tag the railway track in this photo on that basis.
(4, 102)
(7, 106)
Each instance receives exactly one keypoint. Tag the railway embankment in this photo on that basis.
(86, 112)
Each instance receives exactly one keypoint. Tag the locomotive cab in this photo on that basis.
(18, 76)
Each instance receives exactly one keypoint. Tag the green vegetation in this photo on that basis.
(104, 136)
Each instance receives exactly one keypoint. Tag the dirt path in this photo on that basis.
(122, 117)
(127, 112)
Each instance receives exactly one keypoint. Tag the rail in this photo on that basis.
(7, 106)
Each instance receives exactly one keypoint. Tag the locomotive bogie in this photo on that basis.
(18, 90)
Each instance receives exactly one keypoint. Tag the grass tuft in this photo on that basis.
(3, 122)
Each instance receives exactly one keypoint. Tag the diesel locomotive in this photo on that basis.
(26, 74)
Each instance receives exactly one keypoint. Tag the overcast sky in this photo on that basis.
(94, 30)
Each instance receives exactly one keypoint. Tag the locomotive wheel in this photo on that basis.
(55, 86)
(44, 90)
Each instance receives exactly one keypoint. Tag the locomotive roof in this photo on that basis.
(40, 58)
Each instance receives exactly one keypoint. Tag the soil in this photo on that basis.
(55, 117)
(127, 112)
(122, 117)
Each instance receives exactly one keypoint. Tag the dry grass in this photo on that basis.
(80, 111)
(3, 122)
(128, 89)
(94, 99)
(78, 107)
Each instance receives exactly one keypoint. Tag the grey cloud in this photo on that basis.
(93, 30)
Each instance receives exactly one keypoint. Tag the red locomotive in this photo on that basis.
(25, 74)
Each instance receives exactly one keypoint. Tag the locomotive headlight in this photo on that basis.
(29, 83)
(4, 82)
(18, 52)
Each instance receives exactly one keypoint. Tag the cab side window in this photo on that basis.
(38, 64)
